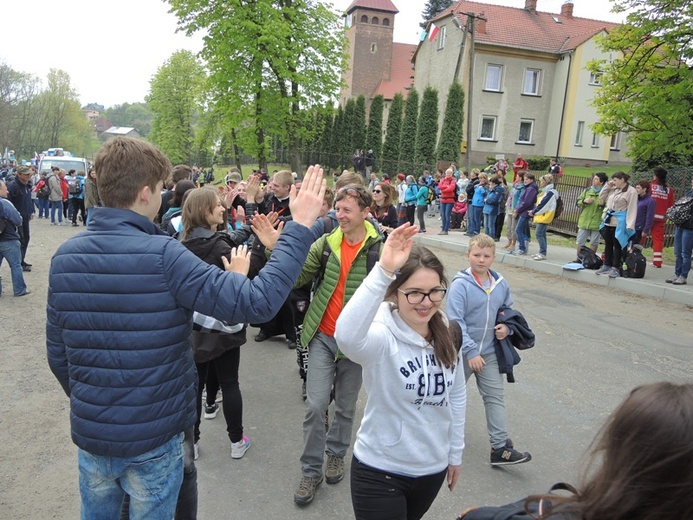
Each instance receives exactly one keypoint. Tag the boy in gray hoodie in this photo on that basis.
(474, 298)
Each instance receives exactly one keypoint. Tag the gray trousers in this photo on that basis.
(324, 372)
(490, 384)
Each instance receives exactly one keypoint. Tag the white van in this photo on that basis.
(64, 163)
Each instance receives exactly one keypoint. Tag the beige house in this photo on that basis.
(525, 72)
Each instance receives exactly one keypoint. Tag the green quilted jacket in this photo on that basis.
(591, 216)
(311, 269)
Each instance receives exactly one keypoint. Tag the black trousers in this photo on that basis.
(378, 495)
(613, 253)
(78, 205)
(24, 235)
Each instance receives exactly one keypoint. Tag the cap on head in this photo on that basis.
(23, 170)
(233, 177)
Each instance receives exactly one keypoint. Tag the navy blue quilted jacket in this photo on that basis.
(120, 302)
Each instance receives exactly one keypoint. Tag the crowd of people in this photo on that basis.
(150, 342)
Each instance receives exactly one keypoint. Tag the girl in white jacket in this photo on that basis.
(412, 433)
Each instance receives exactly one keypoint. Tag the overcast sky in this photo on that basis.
(112, 49)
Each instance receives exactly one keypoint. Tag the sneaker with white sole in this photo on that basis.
(211, 411)
(334, 472)
(614, 272)
(305, 493)
(239, 448)
(539, 256)
(603, 269)
(507, 456)
(680, 281)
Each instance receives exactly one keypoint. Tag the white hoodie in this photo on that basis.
(401, 432)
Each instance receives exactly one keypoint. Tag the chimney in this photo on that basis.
(531, 5)
(567, 9)
(480, 24)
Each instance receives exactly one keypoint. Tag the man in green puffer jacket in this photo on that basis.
(591, 217)
(346, 267)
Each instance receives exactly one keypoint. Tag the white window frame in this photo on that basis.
(531, 131)
(580, 133)
(536, 73)
(500, 78)
(595, 140)
(483, 118)
(615, 142)
(596, 78)
(441, 38)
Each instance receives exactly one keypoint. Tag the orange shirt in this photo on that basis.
(334, 306)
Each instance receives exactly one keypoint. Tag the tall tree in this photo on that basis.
(174, 97)
(432, 9)
(408, 134)
(335, 154)
(347, 132)
(358, 131)
(427, 130)
(451, 133)
(374, 135)
(392, 135)
(268, 60)
(646, 89)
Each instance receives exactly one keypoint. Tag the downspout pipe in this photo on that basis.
(565, 101)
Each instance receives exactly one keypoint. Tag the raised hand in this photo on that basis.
(240, 260)
(252, 188)
(397, 247)
(263, 228)
(230, 195)
(305, 205)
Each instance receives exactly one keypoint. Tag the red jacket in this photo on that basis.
(663, 197)
(446, 186)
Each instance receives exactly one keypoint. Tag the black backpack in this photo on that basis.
(635, 263)
(681, 213)
(589, 259)
(516, 510)
(559, 207)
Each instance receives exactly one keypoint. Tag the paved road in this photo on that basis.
(593, 345)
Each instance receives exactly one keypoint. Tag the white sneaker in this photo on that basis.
(239, 448)
(539, 256)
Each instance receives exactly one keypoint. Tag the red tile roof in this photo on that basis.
(534, 30)
(380, 5)
(401, 71)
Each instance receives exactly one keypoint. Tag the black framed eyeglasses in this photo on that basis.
(416, 297)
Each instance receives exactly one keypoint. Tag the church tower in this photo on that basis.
(369, 27)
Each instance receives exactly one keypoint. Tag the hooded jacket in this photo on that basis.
(591, 216)
(519, 336)
(527, 200)
(475, 310)
(545, 209)
(413, 423)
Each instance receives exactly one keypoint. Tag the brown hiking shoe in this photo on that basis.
(306, 490)
(335, 469)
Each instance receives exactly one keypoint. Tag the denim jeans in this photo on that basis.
(490, 385)
(490, 224)
(380, 495)
(56, 205)
(522, 231)
(683, 245)
(445, 211)
(10, 249)
(43, 206)
(541, 237)
(152, 480)
(324, 370)
(475, 224)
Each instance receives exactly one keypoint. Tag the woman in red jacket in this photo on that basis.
(446, 186)
(663, 196)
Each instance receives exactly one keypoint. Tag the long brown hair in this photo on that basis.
(646, 453)
(199, 203)
(387, 190)
(440, 336)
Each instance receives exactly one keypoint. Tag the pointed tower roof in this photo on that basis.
(378, 5)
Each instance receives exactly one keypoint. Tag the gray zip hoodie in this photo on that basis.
(475, 310)
(413, 423)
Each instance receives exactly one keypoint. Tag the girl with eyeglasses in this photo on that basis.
(412, 433)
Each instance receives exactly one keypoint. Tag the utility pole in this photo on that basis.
(470, 19)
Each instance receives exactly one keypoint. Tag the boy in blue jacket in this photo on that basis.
(120, 302)
(474, 298)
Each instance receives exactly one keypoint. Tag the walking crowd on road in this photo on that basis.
(149, 342)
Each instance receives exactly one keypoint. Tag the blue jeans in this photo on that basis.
(323, 372)
(11, 250)
(489, 382)
(541, 237)
(490, 224)
(475, 224)
(56, 205)
(522, 232)
(152, 480)
(43, 207)
(445, 212)
(683, 246)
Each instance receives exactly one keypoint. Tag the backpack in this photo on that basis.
(42, 188)
(372, 256)
(635, 263)
(559, 206)
(74, 186)
(589, 259)
(681, 213)
(431, 197)
(516, 510)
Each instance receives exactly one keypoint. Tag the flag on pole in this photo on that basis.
(434, 32)
(423, 36)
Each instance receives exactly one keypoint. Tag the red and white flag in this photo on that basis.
(434, 32)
